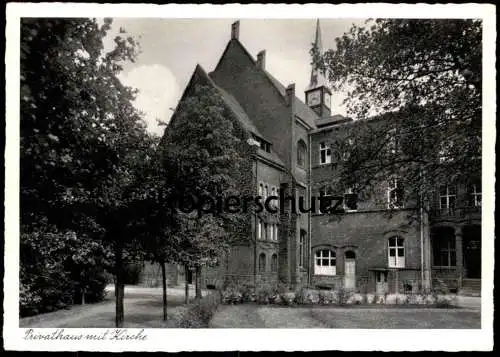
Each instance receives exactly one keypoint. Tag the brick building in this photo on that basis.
(365, 250)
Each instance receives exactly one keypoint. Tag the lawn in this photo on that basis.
(255, 316)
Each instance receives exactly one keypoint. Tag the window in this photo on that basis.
(259, 229)
(395, 194)
(325, 262)
(350, 200)
(276, 232)
(264, 235)
(447, 198)
(396, 252)
(302, 247)
(261, 190)
(271, 231)
(446, 152)
(266, 192)
(443, 247)
(392, 142)
(325, 154)
(301, 154)
(326, 191)
(347, 149)
(262, 263)
(475, 194)
(274, 263)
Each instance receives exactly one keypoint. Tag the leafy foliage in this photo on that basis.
(56, 267)
(414, 86)
(203, 158)
(82, 143)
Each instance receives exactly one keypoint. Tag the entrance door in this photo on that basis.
(350, 270)
(381, 286)
(189, 276)
(472, 251)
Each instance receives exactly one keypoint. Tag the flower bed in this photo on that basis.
(281, 295)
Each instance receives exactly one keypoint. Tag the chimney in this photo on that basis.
(290, 94)
(261, 59)
(235, 30)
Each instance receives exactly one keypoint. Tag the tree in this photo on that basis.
(154, 223)
(205, 144)
(81, 138)
(414, 86)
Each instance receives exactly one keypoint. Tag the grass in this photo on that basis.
(356, 317)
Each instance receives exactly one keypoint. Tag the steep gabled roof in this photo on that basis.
(201, 76)
(302, 110)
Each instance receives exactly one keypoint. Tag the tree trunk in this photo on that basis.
(164, 280)
(198, 282)
(186, 284)
(119, 288)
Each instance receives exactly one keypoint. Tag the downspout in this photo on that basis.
(309, 274)
(421, 243)
(255, 231)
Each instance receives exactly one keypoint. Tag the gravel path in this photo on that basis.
(143, 308)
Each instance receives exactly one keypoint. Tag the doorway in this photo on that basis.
(472, 251)
(381, 285)
(350, 270)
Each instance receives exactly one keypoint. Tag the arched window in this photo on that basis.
(301, 154)
(302, 247)
(396, 252)
(266, 192)
(325, 262)
(262, 263)
(274, 263)
(259, 228)
(261, 190)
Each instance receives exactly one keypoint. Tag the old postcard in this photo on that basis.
(249, 177)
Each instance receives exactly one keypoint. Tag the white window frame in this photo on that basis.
(392, 141)
(393, 186)
(324, 148)
(320, 257)
(448, 194)
(476, 195)
(396, 261)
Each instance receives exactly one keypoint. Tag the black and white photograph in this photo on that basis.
(313, 173)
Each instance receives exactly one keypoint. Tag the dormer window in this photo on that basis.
(325, 154)
(301, 154)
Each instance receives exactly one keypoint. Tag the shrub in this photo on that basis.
(445, 301)
(327, 297)
(355, 299)
(199, 313)
(342, 296)
(265, 294)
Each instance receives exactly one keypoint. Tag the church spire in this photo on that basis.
(317, 79)
(317, 94)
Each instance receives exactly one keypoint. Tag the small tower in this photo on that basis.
(318, 96)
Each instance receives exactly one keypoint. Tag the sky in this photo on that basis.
(171, 49)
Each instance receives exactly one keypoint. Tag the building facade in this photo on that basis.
(367, 249)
